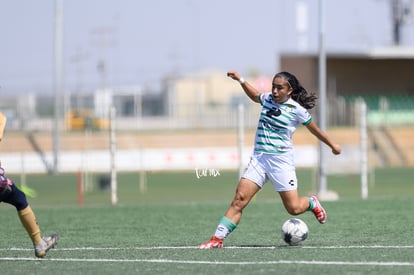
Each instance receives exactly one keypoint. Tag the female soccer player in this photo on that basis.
(283, 110)
(9, 193)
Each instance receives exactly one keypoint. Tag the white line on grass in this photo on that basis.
(167, 261)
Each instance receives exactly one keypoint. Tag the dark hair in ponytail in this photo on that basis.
(299, 94)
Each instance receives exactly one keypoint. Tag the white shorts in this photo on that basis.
(279, 169)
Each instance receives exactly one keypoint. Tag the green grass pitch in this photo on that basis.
(156, 232)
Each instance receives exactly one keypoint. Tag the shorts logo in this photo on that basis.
(291, 182)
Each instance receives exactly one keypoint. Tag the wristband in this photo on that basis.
(241, 80)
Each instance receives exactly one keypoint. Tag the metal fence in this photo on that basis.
(37, 114)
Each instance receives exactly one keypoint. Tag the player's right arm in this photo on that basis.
(250, 91)
(3, 120)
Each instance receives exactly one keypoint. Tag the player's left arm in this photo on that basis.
(322, 136)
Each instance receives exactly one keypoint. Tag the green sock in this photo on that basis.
(311, 204)
(224, 228)
(228, 223)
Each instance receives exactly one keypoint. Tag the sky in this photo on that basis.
(143, 41)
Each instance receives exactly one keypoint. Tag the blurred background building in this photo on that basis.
(165, 69)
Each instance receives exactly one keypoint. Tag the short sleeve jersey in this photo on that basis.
(277, 124)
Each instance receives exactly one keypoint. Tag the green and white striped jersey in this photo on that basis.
(277, 124)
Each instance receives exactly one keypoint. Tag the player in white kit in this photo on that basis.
(284, 109)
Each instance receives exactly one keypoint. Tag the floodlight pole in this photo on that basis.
(364, 149)
(322, 191)
(114, 183)
(322, 186)
(58, 55)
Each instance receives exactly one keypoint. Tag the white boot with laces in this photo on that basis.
(45, 245)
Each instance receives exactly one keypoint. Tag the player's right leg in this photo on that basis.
(214, 242)
(246, 189)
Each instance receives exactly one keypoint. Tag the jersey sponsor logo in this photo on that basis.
(273, 112)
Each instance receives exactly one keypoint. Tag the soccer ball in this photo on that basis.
(294, 231)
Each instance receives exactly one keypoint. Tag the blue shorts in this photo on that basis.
(15, 197)
(278, 169)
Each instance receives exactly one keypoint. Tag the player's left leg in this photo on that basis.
(285, 183)
(317, 209)
(296, 205)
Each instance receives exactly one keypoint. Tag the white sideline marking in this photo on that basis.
(211, 262)
(167, 261)
(226, 247)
